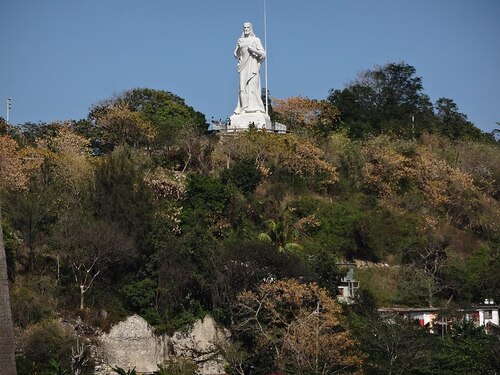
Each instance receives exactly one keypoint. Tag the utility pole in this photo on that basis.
(9, 106)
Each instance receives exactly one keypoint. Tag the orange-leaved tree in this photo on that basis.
(304, 114)
(273, 153)
(300, 325)
(118, 125)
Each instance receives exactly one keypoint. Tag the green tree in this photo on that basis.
(34, 299)
(395, 345)
(49, 347)
(341, 226)
(280, 156)
(163, 108)
(452, 123)
(90, 247)
(61, 180)
(427, 259)
(121, 193)
(384, 99)
(243, 264)
(30, 131)
(118, 125)
(283, 232)
(4, 127)
(244, 174)
(207, 199)
(467, 351)
(166, 112)
(474, 278)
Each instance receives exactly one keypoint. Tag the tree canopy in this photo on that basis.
(136, 209)
(391, 98)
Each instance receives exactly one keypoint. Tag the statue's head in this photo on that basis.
(247, 29)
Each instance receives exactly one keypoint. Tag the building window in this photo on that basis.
(488, 314)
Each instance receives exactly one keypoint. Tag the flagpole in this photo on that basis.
(265, 61)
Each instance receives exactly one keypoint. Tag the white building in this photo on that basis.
(347, 288)
(485, 313)
(482, 315)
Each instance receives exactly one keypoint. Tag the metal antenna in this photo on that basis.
(265, 61)
(9, 106)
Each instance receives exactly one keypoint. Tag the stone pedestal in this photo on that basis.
(243, 121)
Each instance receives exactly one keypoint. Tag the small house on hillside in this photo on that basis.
(486, 313)
(483, 315)
(347, 288)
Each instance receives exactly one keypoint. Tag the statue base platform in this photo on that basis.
(244, 121)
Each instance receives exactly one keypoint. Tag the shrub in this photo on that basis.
(46, 346)
(33, 300)
(177, 366)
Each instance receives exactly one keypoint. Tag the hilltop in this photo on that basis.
(137, 209)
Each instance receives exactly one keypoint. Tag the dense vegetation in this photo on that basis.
(136, 209)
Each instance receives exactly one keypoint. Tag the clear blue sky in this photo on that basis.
(58, 57)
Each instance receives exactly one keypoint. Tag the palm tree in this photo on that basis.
(7, 357)
(283, 232)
